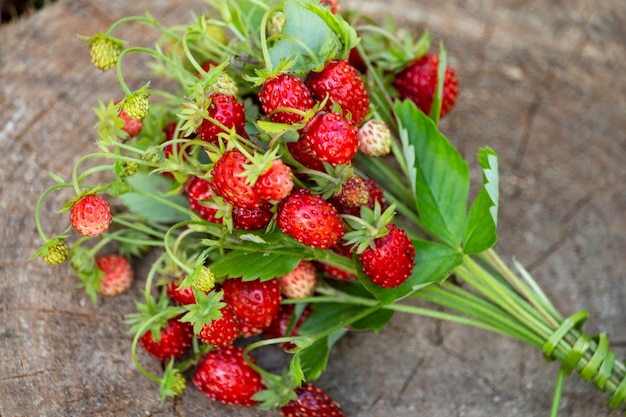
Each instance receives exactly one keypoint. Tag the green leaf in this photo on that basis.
(438, 174)
(306, 37)
(295, 369)
(261, 261)
(313, 359)
(153, 210)
(375, 321)
(434, 262)
(480, 233)
(435, 108)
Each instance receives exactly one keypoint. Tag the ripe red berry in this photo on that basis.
(282, 92)
(252, 219)
(392, 259)
(181, 296)
(227, 112)
(310, 219)
(375, 195)
(275, 183)
(255, 303)
(131, 126)
(91, 215)
(228, 182)
(199, 189)
(118, 274)
(303, 155)
(311, 402)
(344, 86)
(225, 376)
(332, 138)
(175, 339)
(223, 331)
(418, 81)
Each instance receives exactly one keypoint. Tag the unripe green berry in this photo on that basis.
(275, 23)
(137, 105)
(105, 51)
(224, 85)
(179, 384)
(204, 280)
(129, 168)
(57, 252)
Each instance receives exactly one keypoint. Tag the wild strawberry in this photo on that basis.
(55, 252)
(375, 194)
(105, 51)
(136, 105)
(280, 325)
(310, 219)
(225, 112)
(229, 182)
(300, 282)
(131, 126)
(224, 375)
(354, 193)
(311, 402)
(392, 259)
(198, 193)
(305, 156)
(343, 85)
(224, 83)
(374, 138)
(118, 274)
(181, 296)
(281, 94)
(333, 4)
(418, 82)
(175, 338)
(356, 60)
(275, 183)
(223, 331)
(334, 272)
(252, 219)
(332, 138)
(91, 215)
(255, 303)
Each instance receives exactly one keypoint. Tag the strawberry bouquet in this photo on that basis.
(283, 172)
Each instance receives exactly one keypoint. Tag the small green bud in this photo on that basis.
(57, 252)
(137, 105)
(105, 51)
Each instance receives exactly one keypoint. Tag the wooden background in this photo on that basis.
(542, 83)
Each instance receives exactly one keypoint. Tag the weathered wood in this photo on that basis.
(542, 84)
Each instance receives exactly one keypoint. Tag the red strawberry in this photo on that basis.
(332, 138)
(118, 274)
(255, 303)
(390, 263)
(299, 283)
(310, 219)
(229, 183)
(311, 402)
(305, 156)
(225, 376)
(252, 219)
(131, 126)
(279, 326)
(199, 189)
(275, 183)
(91, 215)
(228, 112)
(175, 339)
(181, 296)
(343, 85)
(418, 82)
(223, 331)
(285, 91)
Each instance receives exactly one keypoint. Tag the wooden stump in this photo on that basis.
(542, 84)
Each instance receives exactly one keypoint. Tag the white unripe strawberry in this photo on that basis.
(374, 138)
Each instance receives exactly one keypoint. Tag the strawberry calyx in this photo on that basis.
(370, 225)
(205, 310)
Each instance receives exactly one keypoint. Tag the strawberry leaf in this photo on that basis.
(434, 262)
(313, 359)
(161, 210)
(262, 261)
(480, 233)
(438, 174)
(435, 109)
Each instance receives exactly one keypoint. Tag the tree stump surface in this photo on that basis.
(542, 83)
